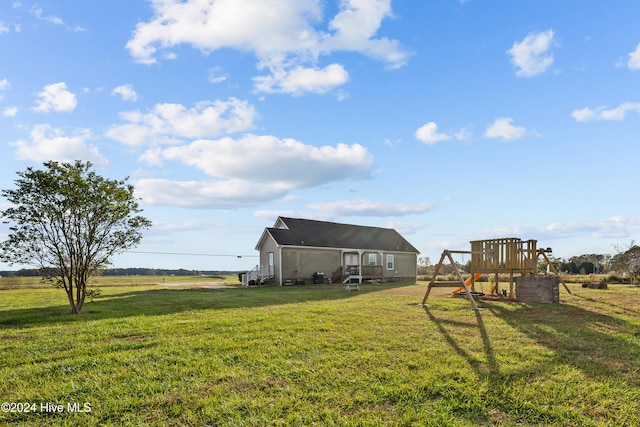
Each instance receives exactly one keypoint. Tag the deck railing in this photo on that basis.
(361, 272)
(258, 274)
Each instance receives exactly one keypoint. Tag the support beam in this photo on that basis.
(459, 283)
(546, 258)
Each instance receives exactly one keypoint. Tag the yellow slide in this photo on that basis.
(467, 282)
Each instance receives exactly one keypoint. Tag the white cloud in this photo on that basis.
(4, 85)
(3, 28)
(602, 113)
(56, 97)
(126, 92)
(464, 134)
(224, 194)
(267, 159)
(48, 143)
(10, 112)
(429, 134)
(341, 208)
(216, 75)
(283, 35)
(355, 27)
(615, 226)
(250, 171)
(262, 27)
(530, 56)
(634, 59)
(167, 124)
(298, 80)
(612, 227)
(39, 13)
(503, 129)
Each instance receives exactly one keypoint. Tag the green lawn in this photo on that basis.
(318, 355)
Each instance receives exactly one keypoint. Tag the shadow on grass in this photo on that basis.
(600, 346)
(161, 301)
(618, 307)
(470, 358)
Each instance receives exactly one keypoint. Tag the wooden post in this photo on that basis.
(433, 278)
(541, 252)
(511, 295)
(466, 288)
(432, 283)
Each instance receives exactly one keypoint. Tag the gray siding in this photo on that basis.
(405, 265)
(299, 263)
(269, 245)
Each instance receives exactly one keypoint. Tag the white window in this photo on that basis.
(390, 262)
(372, 259)
(271, 259)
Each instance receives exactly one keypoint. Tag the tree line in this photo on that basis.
(35, 272)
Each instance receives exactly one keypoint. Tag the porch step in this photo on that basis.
(352, 287)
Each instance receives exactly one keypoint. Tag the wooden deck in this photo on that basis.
(366, 272)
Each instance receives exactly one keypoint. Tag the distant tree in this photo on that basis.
(543, 266)
(586, 267)
(627, 260)
(590, 263)
(424, 266)
(569, 267)
(69, 222)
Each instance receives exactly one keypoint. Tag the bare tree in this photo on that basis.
(628, 260)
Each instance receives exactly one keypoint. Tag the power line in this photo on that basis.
(190, 254)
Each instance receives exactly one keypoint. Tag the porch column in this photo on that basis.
(360, 252)
(280, 265)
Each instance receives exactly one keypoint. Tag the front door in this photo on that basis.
(351, 260)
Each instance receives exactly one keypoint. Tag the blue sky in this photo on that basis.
(448, 120)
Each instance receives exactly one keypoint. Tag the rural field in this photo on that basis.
(145, 352)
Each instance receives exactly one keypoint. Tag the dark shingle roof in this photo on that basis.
(306, 232)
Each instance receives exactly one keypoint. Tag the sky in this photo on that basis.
(448, 120)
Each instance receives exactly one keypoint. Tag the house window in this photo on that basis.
(271, 258)
(372, 259)
(390, 262)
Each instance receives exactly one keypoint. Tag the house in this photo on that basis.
(296, 250)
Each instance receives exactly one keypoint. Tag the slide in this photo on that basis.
(467, 282)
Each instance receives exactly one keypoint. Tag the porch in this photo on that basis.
(357, 272)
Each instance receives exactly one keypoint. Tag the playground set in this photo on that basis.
(511, 256)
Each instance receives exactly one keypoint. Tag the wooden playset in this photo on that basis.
(510, 256)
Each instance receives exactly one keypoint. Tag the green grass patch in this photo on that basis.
(318, 355)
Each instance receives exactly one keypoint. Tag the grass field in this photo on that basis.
(318, 355)
(103, 281)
